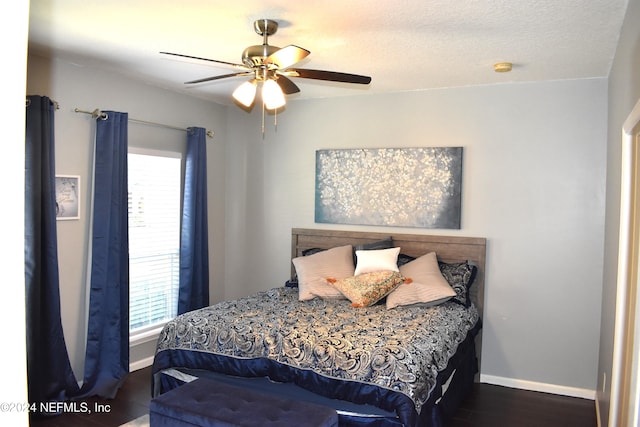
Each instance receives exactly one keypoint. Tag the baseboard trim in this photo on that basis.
(541, 387)
(140, 364)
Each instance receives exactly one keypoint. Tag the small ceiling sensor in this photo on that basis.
(502, 67)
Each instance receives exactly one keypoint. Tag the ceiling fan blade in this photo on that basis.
(223, 76)
(333, 76)
(287, 86)
(287, 56)
(231, 64)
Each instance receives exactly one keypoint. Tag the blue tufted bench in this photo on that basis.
(205, 402)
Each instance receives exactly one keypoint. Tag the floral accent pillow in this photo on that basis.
(366, 289)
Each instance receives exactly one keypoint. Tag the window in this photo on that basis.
(154, 239)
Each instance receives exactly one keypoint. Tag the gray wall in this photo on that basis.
(624, 92)
(533, 185)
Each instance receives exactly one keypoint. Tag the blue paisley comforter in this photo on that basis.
(399, 350)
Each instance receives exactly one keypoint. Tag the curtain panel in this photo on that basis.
(50, 377)
(107, 353)
(194, 250)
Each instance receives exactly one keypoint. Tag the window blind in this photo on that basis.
(154, 238)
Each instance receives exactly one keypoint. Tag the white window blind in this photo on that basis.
(154, 239)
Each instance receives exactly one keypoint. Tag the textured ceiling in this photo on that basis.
(404, 45)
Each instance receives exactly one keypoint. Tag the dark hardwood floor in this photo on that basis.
(491, 405)
(487, 406)
(131, 402)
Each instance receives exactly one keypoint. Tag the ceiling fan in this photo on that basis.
(271, 66)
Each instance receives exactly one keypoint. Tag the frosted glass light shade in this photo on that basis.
(246, 93)
(272, 95)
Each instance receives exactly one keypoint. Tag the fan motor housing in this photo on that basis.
(254, 56)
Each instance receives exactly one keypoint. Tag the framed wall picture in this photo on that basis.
(401, 187)
(67, 197)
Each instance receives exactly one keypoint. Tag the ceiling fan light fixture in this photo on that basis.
(272, 95)
(270, 66)
(246, 93)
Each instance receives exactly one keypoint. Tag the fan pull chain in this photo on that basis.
(275, 119)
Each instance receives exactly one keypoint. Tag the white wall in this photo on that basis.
(85, 88)
(14, 23)
(533, 185)
(624, 92)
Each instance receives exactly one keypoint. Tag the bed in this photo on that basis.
(410, 364)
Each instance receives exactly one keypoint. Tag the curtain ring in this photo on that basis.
(97, 114)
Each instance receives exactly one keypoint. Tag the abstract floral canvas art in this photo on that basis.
(402, 187)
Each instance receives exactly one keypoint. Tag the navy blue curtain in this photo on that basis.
(194, 249)
(107, 354)
(49, 373)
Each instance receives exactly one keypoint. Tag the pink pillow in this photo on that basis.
(426, 286)
(313, 270)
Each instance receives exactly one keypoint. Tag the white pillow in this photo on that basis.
(313, 271)
(377, 260)
(426, 286)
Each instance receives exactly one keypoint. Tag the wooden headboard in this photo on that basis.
(447, 248)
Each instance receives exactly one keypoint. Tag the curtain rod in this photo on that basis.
(55, 103)
(99, 114)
